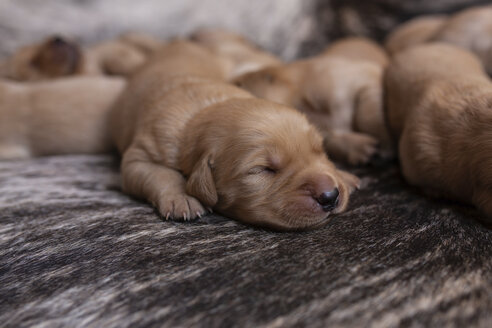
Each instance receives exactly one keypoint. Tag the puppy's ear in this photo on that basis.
(201, 184)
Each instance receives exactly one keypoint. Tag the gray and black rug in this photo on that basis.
(75, 251)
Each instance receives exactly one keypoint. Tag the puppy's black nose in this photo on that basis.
(58, 41)
(328, 199)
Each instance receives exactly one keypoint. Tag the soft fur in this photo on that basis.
(340, 91)
(57, 57)
(64, 116)
(190, 141)
(470, 29)
(414, 32)
(241, 56)
(439, 103)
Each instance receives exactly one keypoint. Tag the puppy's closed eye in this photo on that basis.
(262, 169)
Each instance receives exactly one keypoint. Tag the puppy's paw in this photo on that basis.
(351, 181)
(360, 148)
(180, 207)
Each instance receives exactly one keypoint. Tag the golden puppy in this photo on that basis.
(439, 107)
(191, 142)
(470, 29)
(57, 57)
(358, 49)
(63, 116)
(414, 32)
(341, 96)
(240, 54)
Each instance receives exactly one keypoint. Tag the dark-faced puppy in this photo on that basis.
(52, 58)
(190, 142)
(439, 108)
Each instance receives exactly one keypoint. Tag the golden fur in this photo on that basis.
(414, 32)
(340, 91)
(57, 57)
(358, 49)
(63, 116)
(190, 142)
(439, 108)
(470, 29)
(241, 56)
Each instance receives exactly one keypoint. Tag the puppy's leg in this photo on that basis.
(369, 117)
(160, 185)
(350, 147)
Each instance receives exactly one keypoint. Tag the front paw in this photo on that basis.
(180, 207)
(360, 148)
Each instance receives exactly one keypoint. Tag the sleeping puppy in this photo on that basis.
(414, 32)
(340, 95)
(358, 49)
(241, 55)
(191, 142)
(57, 57)
(63, 116)
(470, 29)
(439, 107)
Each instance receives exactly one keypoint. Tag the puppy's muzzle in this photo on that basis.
(328, 199)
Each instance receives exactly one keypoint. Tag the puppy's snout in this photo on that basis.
(58, 41)
(328, 199)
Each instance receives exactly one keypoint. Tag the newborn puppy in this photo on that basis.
(470, 29)
(57, 57)
(341, 96)
(190, 142)
(358, 49)
(240, 54)
(439, 107)
(52, 58)
(63, 116)
(414, 32)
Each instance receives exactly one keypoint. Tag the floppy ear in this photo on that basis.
(201, 184)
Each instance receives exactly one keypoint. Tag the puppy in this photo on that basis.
(57, 57)
(190, 142)
(339, 93)
(414, 32)
(470, 29)
(439, 108)
(358, 49)
(240, 54)
(63, 116)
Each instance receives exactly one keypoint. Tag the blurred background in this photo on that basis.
(289, 28)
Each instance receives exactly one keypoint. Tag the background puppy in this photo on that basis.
(439, 107)
(414, 32)
(241, 55)
(190, 142)
(57, 57)
(63, 116)
(358, 49)
(470, 29)
(340, 93)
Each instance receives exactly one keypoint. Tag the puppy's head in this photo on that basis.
(271, 83)
(264, 164)
(52, 58)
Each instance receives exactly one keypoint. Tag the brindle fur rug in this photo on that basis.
(75, 251)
